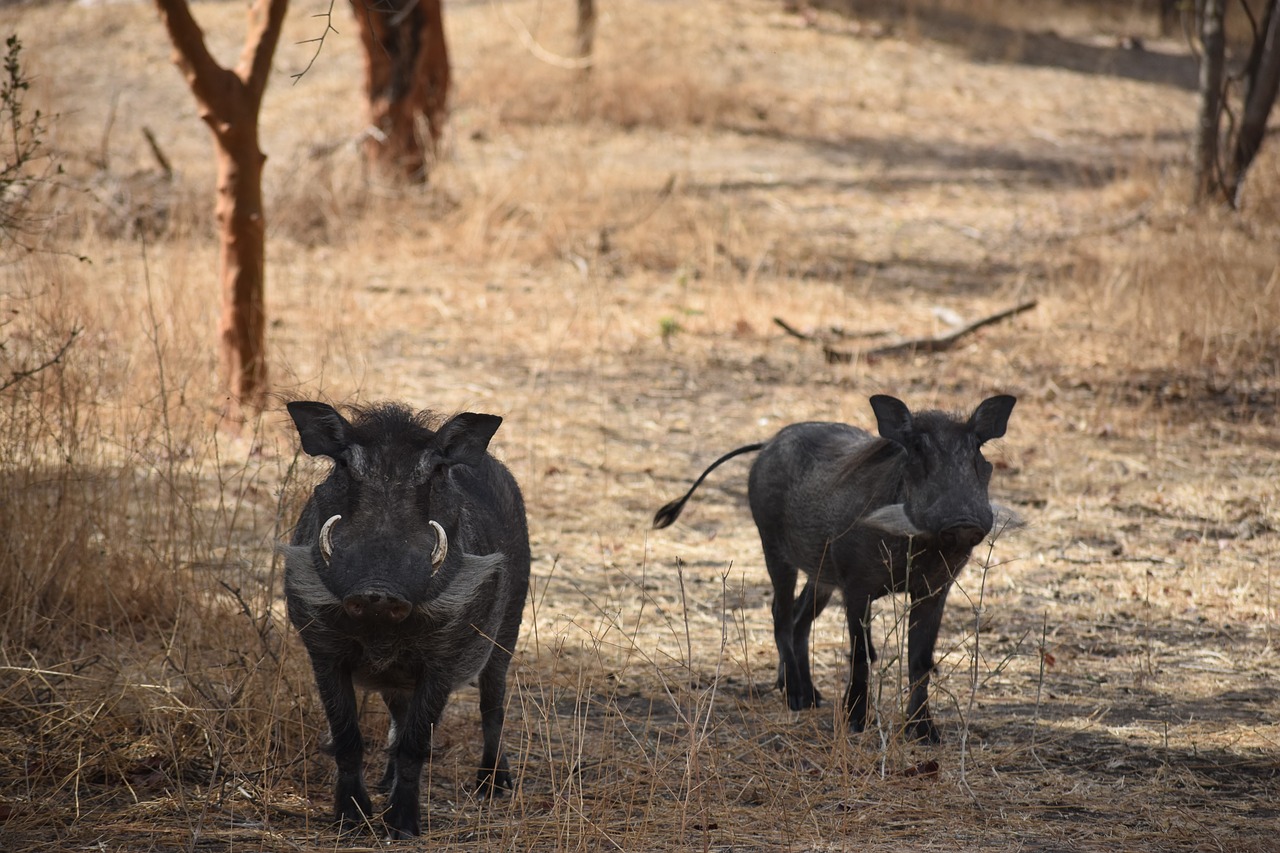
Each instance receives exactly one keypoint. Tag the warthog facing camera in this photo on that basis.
(407, 574)
(869, 516)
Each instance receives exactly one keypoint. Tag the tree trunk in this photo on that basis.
(434, 71)
(229, 101)
(1262, 82)
(1205, 151)
(1169, 14)
(586, 28)
(242, 327)
(406, 76)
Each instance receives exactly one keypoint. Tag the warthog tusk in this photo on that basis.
(326, 543)
(442, 548)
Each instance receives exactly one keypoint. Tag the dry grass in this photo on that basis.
(600, 261)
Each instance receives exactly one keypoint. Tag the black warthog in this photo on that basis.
(869, 516)
(407, 574)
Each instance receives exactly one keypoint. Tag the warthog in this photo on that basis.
(407, 574)
(869, 516)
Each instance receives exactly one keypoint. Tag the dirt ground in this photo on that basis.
(601, 262)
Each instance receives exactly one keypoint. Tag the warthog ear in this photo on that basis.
(893, 418)
(323, 431)
(991, 418)
(465, 437)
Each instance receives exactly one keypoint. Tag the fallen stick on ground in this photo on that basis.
(936, 344)
(831, 333)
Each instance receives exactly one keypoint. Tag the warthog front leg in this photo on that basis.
(922, 636)
(351, 805)
(408, 754)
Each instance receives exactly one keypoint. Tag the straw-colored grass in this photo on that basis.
(600, 261)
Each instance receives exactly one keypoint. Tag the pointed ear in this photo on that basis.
(991, 418)
(323, 431)
(892, 417)
(465, 437)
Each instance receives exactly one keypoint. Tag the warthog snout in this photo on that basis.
(376, 607)
(966, 537)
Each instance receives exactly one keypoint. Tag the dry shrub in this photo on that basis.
(1196, 292)
(629, 96)
(140, 648)
(1208, 297)
(975, 17)
(658, 68)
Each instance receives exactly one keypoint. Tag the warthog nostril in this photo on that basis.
(376, 607)
(965, 536)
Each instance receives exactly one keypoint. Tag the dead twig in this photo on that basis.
(941, 343)
(793, 332)
(1137, 216)
(605, 244)
(1106, 561)
(156, 151)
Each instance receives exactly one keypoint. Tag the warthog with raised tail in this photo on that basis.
(869, 516)
(407, 574)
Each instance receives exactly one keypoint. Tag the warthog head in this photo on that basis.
(945, 476)
(383, 512)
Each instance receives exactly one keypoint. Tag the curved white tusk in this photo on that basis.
(442, 548)
(326, 542)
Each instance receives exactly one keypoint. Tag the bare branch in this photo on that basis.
(318, 41)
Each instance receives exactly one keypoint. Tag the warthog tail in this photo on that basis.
(670, 512)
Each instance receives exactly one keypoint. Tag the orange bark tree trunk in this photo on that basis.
(406, 76)
(229, 101)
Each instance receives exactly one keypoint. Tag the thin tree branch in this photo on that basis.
(318, 41)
